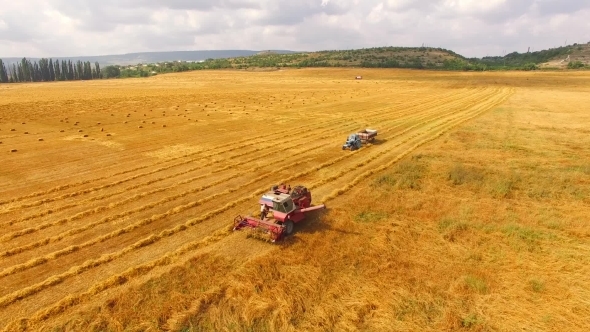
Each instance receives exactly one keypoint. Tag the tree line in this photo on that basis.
(47, 70)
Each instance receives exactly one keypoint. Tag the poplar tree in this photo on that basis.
(57, 71)
(51, 71)
(3, 73)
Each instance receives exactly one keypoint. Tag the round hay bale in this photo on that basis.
(12, 129)
(98, 123)
(108, 134)
(140, 127)
(40, 140)
(153, 122)
(163, 126)
(61, 131)
(13, 150)
(80, 130)
(26, 132)
(23, 123)
(85, 135)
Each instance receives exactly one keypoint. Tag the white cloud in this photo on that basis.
(35, 28)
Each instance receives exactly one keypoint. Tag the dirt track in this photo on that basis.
(80, 215)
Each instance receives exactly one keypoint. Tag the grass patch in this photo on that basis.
(537, 286)
(530, 237)
(370, 217)
(460, 174)
(451, 228)
(476, 284)
(504, 187)
(408, 174)
(471, 321)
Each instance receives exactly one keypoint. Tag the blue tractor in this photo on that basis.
(353, 142)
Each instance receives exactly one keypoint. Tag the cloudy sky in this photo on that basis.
(51, 28)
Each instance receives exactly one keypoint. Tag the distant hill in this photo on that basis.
(559, 57)
(153, 57)
(384, 57)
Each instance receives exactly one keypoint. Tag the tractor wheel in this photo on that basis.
(289, 226)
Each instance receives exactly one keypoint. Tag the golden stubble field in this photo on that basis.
(469, 212)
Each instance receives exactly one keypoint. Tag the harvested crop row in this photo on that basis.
(192, 169)
(67, 186)
(51, 211)
(112, 184)
(150, 240)
(367, 160)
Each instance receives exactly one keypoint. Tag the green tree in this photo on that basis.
(51, 71)
(575, 65)
(3, 73)
(111, 72)
(97, 68)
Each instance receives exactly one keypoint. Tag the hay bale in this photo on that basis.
(13, 150)
(61, 131)
(23, 123)
(26, 132)
(108, 134)
(85, 135)
(40, 140)
(139, 127)
(163, 126)
(80, 130)
(12, 129)
(98, 123)
(153, 122)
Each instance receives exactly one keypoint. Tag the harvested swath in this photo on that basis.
(217, 152)
(136, 197)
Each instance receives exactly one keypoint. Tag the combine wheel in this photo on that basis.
(289, 226)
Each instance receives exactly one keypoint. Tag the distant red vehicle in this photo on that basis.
(287, 206)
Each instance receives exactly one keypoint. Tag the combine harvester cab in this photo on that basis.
(355, 141)
(287, 208)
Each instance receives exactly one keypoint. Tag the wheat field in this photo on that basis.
(469, 211)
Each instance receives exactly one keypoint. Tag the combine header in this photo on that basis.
(287, 208)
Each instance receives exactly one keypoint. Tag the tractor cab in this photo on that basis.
(353, 142)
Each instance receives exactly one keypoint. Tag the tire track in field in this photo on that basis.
(65, 207)
(64, 187)
(71, 232)
(28, 291)
(81, 215)
(490, 100)
(220, 234)
(45, 241)
(67, 186)
(42, 260)
(89, 190)
(50, 211)
(482, 109)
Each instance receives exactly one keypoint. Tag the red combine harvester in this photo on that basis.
(287, 207)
